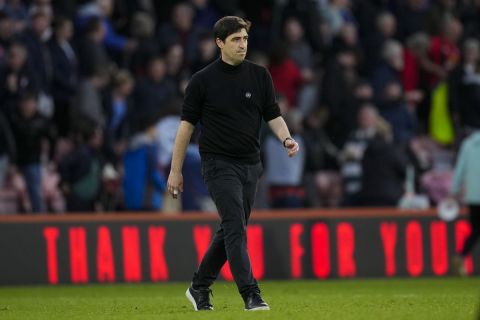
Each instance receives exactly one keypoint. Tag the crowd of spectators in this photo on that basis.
(378, 93)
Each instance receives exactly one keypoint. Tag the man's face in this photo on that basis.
(367, 117)
(17, 57)
(28, 107)
(183, 17)
(40, 23)
(106, 6)
(234, 48)
(293, 30)
(66, 31)
(6, 28)
(157, 69)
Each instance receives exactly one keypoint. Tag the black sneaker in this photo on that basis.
(254, 302)
(200, 298)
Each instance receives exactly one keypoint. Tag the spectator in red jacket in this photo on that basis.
(286, 75)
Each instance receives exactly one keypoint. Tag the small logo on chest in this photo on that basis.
(248, 95)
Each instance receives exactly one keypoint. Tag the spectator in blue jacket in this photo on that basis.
(143, 183)
(103, 9)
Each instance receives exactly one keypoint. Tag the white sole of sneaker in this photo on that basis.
(190, 298)
(259, 309)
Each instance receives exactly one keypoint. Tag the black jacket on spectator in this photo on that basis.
(320, 152)
(29, 134)
(150, 95)
(469, 17)
(383, 174)
(64, 63)
(7, 140)
(65, 8)
(464, 91)
(40, 60)
(26, 81)
(168, 35)
(410, 20)
(402, 121)
(64, 83)
(91, 56)
(338, 96)
(80, 173)
(382, 75)
(146, 50)
(4, 45)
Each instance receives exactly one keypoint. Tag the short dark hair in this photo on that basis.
(229, 25)
(93, 25)
(59, 22)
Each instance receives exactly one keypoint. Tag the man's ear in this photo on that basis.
(219, 43)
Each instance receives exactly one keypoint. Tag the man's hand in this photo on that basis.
(292, 147)
(175, 184)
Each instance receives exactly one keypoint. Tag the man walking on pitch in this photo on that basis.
(229, 98)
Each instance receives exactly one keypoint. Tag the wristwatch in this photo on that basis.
(287, 138)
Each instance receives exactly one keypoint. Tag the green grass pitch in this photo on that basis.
(447, 298)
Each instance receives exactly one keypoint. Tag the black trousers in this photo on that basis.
(232, 188)
(474, 216)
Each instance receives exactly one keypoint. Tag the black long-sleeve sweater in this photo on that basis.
(230, 103)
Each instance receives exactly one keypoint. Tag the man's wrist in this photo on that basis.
(285, 140)
(175, 171)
